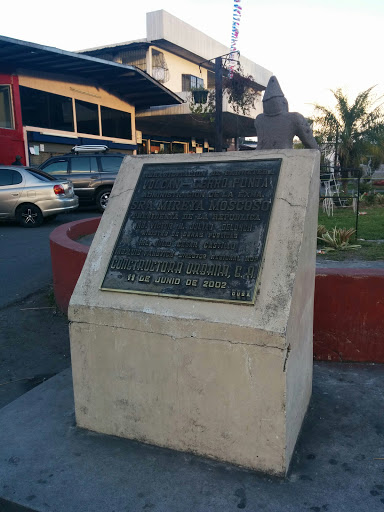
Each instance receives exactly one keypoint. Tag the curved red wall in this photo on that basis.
(68, 257)
(349, 303)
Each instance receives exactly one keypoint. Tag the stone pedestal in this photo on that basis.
(223, 380)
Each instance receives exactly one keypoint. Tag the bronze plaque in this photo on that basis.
(195, 231)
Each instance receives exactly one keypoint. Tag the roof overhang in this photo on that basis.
(188, 126)
(127, 82)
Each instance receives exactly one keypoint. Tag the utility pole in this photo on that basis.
(219, 105)
(219, 97)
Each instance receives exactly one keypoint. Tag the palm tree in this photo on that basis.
(351, 132)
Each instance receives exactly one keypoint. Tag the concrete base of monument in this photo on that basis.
(227, 381)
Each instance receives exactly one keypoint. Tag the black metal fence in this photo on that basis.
(345, 188)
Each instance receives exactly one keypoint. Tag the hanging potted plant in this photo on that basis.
(203, 110)
(200, 95)
(241, 91)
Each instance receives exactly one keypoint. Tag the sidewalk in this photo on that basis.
(48, 464)
(34, 344)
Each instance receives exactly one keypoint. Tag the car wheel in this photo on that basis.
(29, 216)
(102, 198)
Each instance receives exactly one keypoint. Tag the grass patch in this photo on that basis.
(370, 227)
(369, 251)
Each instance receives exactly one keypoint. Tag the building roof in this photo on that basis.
(114, 45)
(131, 84)
(174, 35)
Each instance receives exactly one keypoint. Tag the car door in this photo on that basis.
(11, 188)
(84, 172)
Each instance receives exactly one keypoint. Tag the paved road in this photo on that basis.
(25, 259)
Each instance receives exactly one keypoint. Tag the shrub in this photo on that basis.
(365, 187)
(338, 239)
(321, 230)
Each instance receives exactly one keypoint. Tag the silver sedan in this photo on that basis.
(29, 195)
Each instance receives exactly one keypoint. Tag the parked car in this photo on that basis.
(91, 169)
(30, 195)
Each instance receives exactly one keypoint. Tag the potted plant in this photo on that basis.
(200, 95)
(241, 90)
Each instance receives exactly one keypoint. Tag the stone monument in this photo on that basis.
(277, 127)
(191, 322)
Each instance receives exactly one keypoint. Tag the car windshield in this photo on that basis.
(40, 175)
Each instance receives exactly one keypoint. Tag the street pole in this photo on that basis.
(219, 105)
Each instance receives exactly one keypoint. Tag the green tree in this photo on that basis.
(355, 131)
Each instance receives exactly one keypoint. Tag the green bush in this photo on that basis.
(365, 187)
(337, 239)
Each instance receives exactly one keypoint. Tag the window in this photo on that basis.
(6, 114)
(87, 117)
(41, 177)
(10, 177)
(46, 110)
(111, 163)
(58, 167)
(116, 123)
(190, 82)
(81, 164)
(160, 69)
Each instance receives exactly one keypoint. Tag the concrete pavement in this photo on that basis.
(48, 464)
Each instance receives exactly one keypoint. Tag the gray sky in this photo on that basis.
(312, 46)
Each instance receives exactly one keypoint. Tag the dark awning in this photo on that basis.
(129, 83)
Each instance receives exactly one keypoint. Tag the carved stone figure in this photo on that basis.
(277, 127)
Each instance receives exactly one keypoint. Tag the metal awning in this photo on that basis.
(187, 125)
(131, 84)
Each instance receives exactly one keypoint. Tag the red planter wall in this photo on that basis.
(68, 257)
(349, 304)
(349, 315)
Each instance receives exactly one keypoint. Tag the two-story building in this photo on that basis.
(182, 58)
(52, 100)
